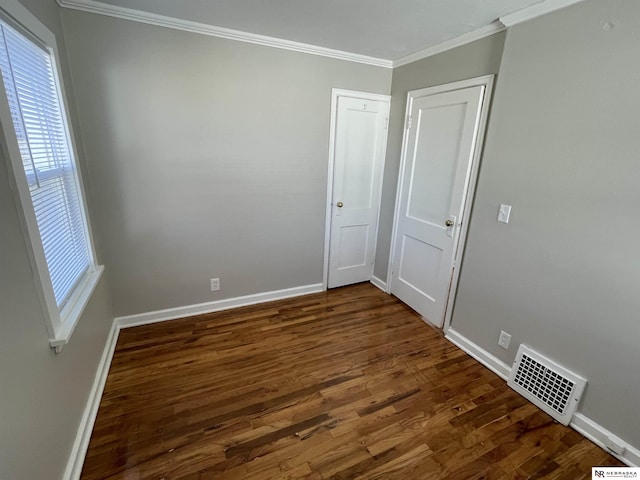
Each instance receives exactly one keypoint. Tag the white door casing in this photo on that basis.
(442, 141)
(357, 152)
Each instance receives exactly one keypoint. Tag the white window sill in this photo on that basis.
(72, 312)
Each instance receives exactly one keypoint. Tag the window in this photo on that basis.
(47, 178)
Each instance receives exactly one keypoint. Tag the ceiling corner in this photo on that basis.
(482, 32)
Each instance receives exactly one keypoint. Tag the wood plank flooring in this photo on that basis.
(344, 384)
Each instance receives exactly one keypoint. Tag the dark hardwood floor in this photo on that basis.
(345, 384)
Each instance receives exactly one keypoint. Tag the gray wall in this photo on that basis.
(43, 395)
(562, 147)
(208, 158)
(475, 59)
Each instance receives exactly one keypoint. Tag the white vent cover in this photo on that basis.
(551, 387)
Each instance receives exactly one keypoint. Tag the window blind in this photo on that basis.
(41, 130)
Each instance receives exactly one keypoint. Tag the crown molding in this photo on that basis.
(93, 6)
(491, 29)
(535, 11)
(507, 21)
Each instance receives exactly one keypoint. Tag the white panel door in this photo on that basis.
(358, 157)
(441, 135)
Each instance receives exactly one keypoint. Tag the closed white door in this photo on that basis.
(359, 139)
(440, 140)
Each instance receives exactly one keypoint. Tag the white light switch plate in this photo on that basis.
(504, 212)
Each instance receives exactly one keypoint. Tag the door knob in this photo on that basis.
(449, 223)
(339, 204)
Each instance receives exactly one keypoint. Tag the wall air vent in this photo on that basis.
(551, 387)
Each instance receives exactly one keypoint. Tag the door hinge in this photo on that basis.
(409, 121)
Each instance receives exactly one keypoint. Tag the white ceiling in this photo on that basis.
(388, 29)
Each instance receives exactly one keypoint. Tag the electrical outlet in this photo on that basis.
(504, 340)
(215, 284)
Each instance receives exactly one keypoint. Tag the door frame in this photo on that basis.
(335, 93)
(487, 81)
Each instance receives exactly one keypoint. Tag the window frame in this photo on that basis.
(60, 323)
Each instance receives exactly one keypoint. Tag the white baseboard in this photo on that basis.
(215, 306)
(580, 422)
(375, 281)
(601, 436)
(81, 443)
(494, 364)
